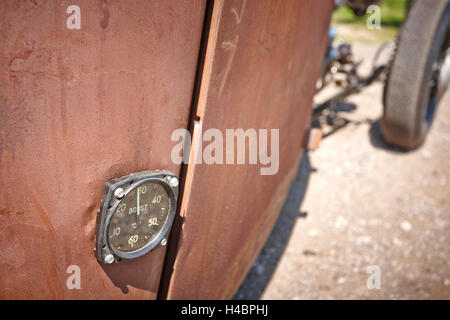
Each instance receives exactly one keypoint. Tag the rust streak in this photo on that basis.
(42, 214)
(51, 274)
(105, 20)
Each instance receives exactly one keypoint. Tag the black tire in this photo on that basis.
(409, 99)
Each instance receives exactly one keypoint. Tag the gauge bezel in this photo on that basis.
(161, 234)
(110, 203)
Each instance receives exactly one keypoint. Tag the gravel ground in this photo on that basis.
(357, 204)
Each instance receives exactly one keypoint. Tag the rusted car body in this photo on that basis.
(79, 107)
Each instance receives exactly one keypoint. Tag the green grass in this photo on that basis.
(353, 29)
(392, 14)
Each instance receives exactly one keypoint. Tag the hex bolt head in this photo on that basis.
(109, 258)
(119, 193)
(173, 182)
(163, 242)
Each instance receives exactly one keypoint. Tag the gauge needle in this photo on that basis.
(138, 209)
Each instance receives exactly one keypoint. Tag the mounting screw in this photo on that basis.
(173, 182)
(118, 193)
(163, 242)
(109, 259)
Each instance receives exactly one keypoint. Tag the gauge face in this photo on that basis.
(135, 215)
(139, 217)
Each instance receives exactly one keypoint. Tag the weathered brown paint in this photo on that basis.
(77, 108)
(262, 59)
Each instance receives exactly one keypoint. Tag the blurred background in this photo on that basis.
(358, 203)
(353, 29)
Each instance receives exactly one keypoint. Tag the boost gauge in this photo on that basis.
(135, 215)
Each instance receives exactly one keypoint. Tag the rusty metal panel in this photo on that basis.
(261, 63)
(77, 108)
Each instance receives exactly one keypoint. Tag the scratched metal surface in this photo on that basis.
(262, 60)
(77, 108)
